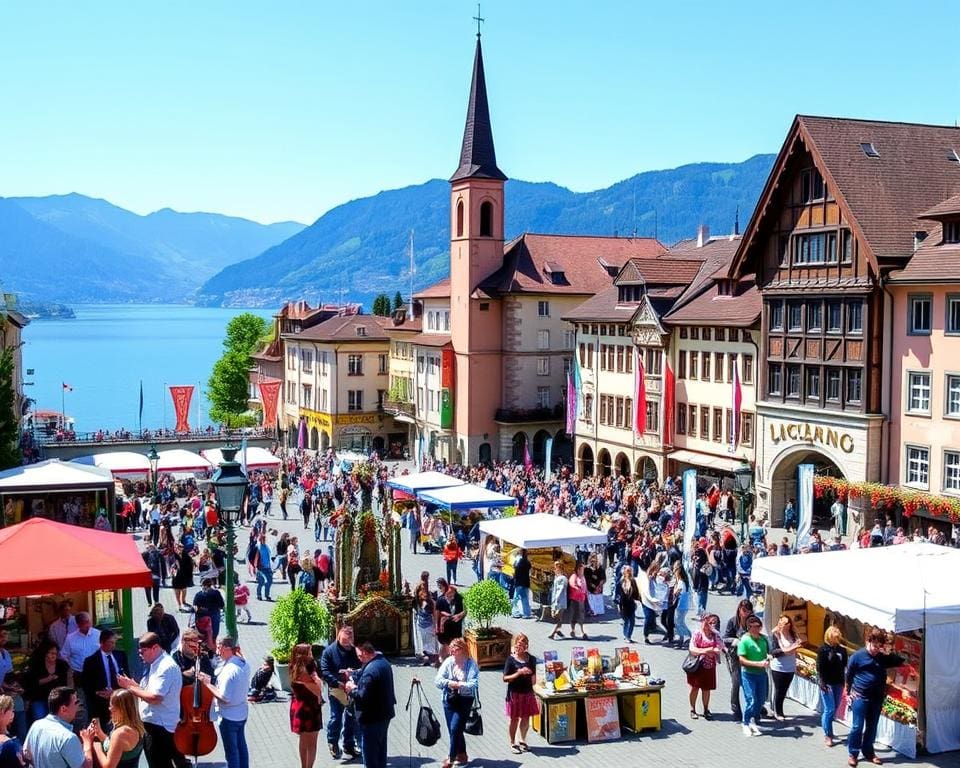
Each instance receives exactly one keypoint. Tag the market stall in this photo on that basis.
(909, 591)
(63, 491)
(466, 497)
(119, 463)
(180, 460)
(254, 457)
(46, 563)
(422, 481)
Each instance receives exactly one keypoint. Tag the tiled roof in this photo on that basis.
(439, 290)
(578, 257)
(886, 194)
(345, 329)
(658, 271)
(604, 307)
(717, 254)
(949, 206)
(710, 307)
(430, 339)
(931, 263)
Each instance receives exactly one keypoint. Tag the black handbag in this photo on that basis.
(691, 664)
(474, 724)
(427, 731)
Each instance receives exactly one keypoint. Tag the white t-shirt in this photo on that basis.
(163, 677)
(77, 647)
(233, 681)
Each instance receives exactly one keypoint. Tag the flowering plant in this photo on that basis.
(888, 497)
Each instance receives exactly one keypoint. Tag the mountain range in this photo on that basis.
(359, 249)
(76, 249)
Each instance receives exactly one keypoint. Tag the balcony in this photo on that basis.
(399, 408)
(525, 415)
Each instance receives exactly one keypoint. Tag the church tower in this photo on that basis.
(476, 252)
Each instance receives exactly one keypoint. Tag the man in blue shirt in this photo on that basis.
(866, 688)
(51, 742)
(264, 569)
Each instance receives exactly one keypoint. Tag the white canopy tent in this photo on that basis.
(55, 475)
(256, 457)
(422, 481)
(181, 460)
(541, 530)
(899, 588)
(466, 496)
(117, 462)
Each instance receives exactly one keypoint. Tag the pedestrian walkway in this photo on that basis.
(681, 741)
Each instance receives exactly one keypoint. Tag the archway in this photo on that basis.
(378, 446)
(324, 441)
(783, 485)
(647, 469)
(623, 465)
(586, 461)
(562, 449)
(519, 443)
(314, 439)
(486, 454)
(604, 467)
(540, 447)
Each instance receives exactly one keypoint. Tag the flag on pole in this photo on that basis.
(527, 461)
(67, 387)
(737, 400)
(577, 388)
(548, 458)
(571, 403)
(640, 387)
(669, 396)
(141, 401)
(805, 498)
(689, 508)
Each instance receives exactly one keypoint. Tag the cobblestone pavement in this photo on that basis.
(680, 742)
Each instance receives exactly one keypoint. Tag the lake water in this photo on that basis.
(108, 349)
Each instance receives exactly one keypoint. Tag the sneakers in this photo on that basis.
(334, 751)
(747, 731)
(755, 729)
(351, 753)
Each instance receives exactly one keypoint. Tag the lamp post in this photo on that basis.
(154, 458)
(230, 487)
(744, 478)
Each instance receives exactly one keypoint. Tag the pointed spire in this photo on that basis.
(478, 159)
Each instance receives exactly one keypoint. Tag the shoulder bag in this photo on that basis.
(474, 723)
(428, 727)
(691, 664)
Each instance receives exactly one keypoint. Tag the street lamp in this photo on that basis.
(230, 487)
(744, 477)
(154, 458)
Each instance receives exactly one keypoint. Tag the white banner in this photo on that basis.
(805, 499)
(689, 508)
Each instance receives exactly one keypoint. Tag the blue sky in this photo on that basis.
(283, 110)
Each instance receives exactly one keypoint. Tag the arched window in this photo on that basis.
(460, 218)
(486, 219)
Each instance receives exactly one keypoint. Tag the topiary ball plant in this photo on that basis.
(298, 618)
(484, 601)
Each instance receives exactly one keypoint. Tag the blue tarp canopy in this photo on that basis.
(466, 497)
(422, 481)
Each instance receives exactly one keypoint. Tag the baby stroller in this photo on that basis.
(241, 598)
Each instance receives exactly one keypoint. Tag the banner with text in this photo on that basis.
(805, 497)
(270, 397)
(689, 508)
(181, 407)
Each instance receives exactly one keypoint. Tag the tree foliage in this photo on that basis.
(9, 418)
(228, 386)
(381, 305)
(397, 301)
(244, 333)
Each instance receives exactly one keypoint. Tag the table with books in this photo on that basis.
(595, 697)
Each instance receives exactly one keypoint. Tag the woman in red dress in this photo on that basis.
(306, 717)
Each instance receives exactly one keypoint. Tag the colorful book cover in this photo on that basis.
(578, 657)
(603, 719)
(551, 667)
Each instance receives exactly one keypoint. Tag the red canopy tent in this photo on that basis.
(41, 557)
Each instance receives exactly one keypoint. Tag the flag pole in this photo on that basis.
(63, 406)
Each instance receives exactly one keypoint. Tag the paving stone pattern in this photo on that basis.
(680, 742)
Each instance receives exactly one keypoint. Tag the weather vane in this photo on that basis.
(479, 19)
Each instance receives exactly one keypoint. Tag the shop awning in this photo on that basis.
(41, 557)
(534, 531)
(256, 458)
(720, 463)
(118, 462)
(55, 475)
(466, 496)
(182, 460)
(897, 588)
(423, 481)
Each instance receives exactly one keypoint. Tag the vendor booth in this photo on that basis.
(63, 491)
(909, 591)
(119, 463)
(180, 460)
(465, 497)
(46, 563)
(422, 481)
(254, 457)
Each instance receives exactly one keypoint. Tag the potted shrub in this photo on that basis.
(296, 618)
(484, 601)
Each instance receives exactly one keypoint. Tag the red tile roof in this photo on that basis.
(710, 307)
(659, 271)
(439, 290)
(948, 207)
(345, 329)
(931, 263)
(430, 339)
(603, 306)
(578, 257)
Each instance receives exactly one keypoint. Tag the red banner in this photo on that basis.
(270, 397)
(181, 407)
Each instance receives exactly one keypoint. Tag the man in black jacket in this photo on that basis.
(521, 585)
(100, 671)
(338, 661)
(374, 700)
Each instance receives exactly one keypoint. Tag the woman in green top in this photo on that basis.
(122, 748)
(753, 650)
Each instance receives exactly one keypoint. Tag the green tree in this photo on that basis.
(9, 419)
(228, 387)
(244, 333)
(381, 305)
(397, 301)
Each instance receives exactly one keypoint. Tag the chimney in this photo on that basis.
(703, 235)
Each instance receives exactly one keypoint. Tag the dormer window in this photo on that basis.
(361, 330)
(724, 288)
(951, 231)
(555, 273)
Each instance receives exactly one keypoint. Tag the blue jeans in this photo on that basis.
(649, 621)
(829, 701)
(863, 729)
(235, 743)
(754, 694)
(629, 622)
(680, 624)
(701, 600)
(374, 746)
(452, 571)
(340, 720)
(521, 602)
(456, 709)
(744, 588)
(264, 582)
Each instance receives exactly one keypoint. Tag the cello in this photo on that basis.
(195, 735)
